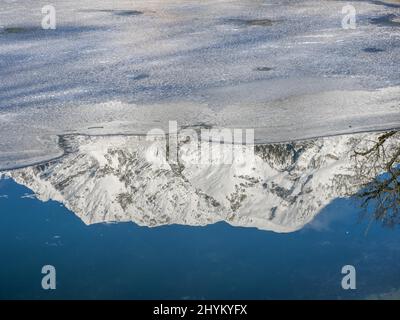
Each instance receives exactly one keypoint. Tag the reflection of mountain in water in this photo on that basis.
(126, 178)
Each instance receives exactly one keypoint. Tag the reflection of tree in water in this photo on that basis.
(377, 168)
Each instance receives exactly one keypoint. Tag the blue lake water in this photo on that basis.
(125, 261)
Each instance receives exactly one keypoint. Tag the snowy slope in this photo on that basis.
(127, 178)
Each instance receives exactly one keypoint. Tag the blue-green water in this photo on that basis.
(125, 261)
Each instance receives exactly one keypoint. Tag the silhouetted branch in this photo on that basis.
(377, 168)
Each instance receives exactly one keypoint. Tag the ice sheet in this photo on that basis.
(285, 68)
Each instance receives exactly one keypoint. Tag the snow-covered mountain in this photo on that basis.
(129, 178)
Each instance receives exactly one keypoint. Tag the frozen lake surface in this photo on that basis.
(285, 68)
